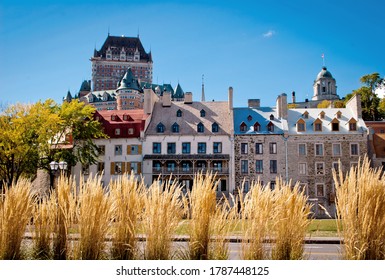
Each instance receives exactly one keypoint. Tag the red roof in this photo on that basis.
(129, 122)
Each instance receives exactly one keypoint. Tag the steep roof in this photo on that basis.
(178, 92)
(215, 112)
(129, 81)
(130, 44)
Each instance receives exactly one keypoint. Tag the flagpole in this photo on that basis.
(323, 60)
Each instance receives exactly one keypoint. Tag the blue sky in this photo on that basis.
(260, 48)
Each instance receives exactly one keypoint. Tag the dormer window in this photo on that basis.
(352, 125)
(175, 128)
(243, 127)
(339, 114)
(257, 126)
(270, 127)
(160, 128)
(200, 128)
(179, 113)
(317, 125)
(301, 125)
(203, 113)
(305, 115)
(271, 117)
(249, 118)
(113, 117)
(125, 117)
(335, 125)
(214, 127)
(322, 115)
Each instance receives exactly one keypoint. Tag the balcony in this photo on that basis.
(189, 171)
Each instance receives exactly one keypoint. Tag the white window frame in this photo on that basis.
(315, 149)
(302, 168)
(358, 149)
(299, 149)
(336, 144)
(323, 190)
(316, 169)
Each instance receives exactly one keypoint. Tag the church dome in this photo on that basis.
(324, 74)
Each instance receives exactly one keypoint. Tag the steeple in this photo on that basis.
(68, 98)
(203, 88)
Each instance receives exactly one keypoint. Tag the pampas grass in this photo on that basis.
(289, 221)
(163, 210)
(15, 214)
(202, 202)
(128, 195)
(94, 215)
(255, 216)
(361, 211)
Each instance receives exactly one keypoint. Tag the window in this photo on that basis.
(271, 117)
(273, 148)
(133, 150)
(201, 148)
(352, 126)
(134, 166)
(302, 168)
(336, 166)
(179, 113)
(319, 168)
(259, 148)
(203, 113)
(319, 149)
(175, 128)
(217, 166)
(186, 148)
(245, 186)
(243, 127)
(214, 127)
(305, 115)
(113, 118)
(118, 168)
(117, 131)
(354, 149)
(335, 126)
(186, 166)
(301, 125)
(156, 165)
(244, 148)
(302, 149)
(130, 131)
(160, 128)
(249, 118)
(322, 115)
(171, 148)
(100, 168)
(244, 167)
(85, 169)
(318, 127)
(273, 166)
(272, 185)
(200, 127)
(118, 150)
(339, 114)
(171, 166)
(270, 127)
(257, 127)
(336, 149)
(217, 147)
(320, 190)
(259, 166)
(102, 150)
(156, 148)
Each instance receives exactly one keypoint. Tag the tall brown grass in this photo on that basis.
(15, 214)
(127, 194)
(256, 210)
(361, 211)
(94, 215)
(64, 197)
(202, 203)
(290, 221)
(163, 210)
(44, 222)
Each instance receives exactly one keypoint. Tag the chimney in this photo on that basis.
(166, 99)
(230, 98)
(293, 97)
(188, 98)
(147, 101)
(282, 106)
(354, 104)
(254, 103)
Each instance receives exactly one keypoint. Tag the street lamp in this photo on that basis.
(54, 166)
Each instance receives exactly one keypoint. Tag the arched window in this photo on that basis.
(160, 128)
(200, 127)
(214, 127)
(175, 128)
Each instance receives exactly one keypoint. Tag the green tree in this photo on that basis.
(324, 104)
(31, 136)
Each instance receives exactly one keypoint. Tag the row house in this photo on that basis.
(186, 137)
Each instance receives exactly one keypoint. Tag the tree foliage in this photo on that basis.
(32, 135)
(324, 104)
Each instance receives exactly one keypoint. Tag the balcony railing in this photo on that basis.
(189, 171)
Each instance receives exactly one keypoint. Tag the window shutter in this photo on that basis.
(128, 149)
(139, 167)
(112, 170)
(129, 168)
(123, 168)
(139, 149)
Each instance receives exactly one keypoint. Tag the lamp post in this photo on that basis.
(54, 166)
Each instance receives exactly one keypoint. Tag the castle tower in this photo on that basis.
(324, 86)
